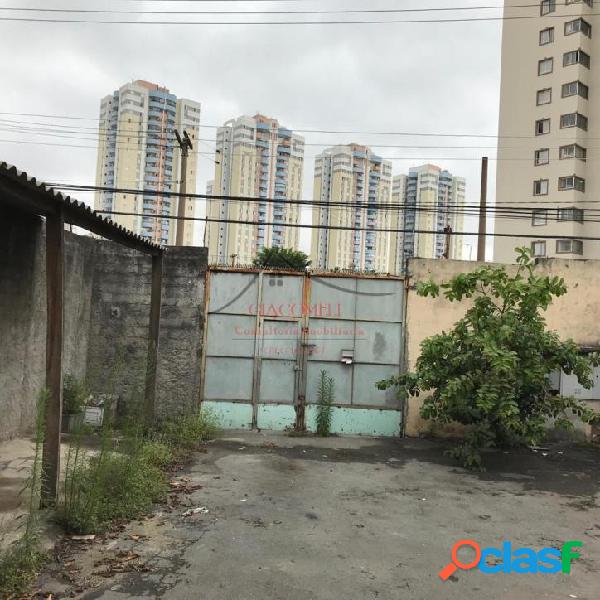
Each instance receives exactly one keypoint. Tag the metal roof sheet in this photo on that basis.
(76, 212)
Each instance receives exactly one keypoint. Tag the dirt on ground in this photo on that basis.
(263, 516)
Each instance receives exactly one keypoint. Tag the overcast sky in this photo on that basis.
(436, 78)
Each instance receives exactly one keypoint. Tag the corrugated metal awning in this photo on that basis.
(25, 193)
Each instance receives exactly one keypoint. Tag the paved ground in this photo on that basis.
(15, 463)
(351, 519)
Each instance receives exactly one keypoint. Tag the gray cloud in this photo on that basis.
(399, 77)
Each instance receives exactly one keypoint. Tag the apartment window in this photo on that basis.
(545, 66)
(539, 217)
(590, 3)
(569, 247)
(538, 248)
(570, 214)
(542, 126)
(547, 6)
(544, 96)
(578, 25)
(575, 88)
(540, 187)
(572, 151)
(576, 57)
(542, 156)
(573, 120)
(571, 182)
(546, 36)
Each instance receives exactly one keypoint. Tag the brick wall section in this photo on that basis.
(107, 304)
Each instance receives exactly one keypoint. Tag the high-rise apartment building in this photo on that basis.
(352, 188)
(137, 150)
(256, 158)
(428, 199)
(547, 130)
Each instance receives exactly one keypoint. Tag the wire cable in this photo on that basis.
(348, 228)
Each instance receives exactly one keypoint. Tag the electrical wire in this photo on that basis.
(112, 140)
(299, 130)
(212, 154)
(295, 23)
(303, 202)
(268, 12)
(347, 228)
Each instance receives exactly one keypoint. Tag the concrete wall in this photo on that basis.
(22, 322)
(117, 352)
(572, 316)
(107, 302)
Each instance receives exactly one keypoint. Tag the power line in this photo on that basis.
(212, 154)
(50, 128)
(145, 134)
(293, 23)
(299, 130)
(347, 228)
(304, 202)
(267, 12)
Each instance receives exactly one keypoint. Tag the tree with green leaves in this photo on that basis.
(491, 371)
(281, 258)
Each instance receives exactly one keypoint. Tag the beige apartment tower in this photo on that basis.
(428, 199)
(137, 150)
(352, 193)
(547, 131)
(261, 163)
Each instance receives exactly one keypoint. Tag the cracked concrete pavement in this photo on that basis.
(355, 519)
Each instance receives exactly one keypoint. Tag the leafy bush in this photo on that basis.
(490, 372)
(325, 396)
(282, 258)
(74, 395)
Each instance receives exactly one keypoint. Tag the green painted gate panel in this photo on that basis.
(269, 336)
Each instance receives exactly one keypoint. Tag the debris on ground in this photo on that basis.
(195, 511)
(125, 561)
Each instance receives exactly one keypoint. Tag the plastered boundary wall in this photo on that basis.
(576, 315)
(106, 316)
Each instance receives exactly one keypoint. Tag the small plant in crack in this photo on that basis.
(325, 397)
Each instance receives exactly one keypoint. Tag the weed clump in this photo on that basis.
(18, 566)
(124, 480)
(21, 561)
(183, 434)
(325, 397)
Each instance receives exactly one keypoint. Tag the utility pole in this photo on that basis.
(185, 145)
(481, 239)
(448, 232)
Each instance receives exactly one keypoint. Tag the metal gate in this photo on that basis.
(268, 336)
